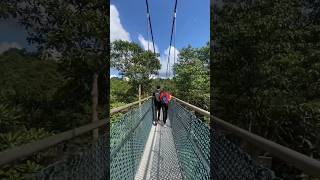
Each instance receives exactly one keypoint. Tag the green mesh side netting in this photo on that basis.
(87, 164)
(128, 138)
(192, 140)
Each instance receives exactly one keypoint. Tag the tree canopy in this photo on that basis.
(134, 63)
(192, 76)
(64, 83)
(266, 71)
(75, 33)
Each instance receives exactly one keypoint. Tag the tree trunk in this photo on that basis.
(94, 98)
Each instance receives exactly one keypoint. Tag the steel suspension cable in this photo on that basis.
(150, 25)
(151, 32)
(148, 30)
(172, 30)
(174, 45)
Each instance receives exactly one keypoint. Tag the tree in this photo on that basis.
(77, 32)
(120, 91)
(28, 87)
(135, 63)
(192, 76)
(53, 87)
(265, 71)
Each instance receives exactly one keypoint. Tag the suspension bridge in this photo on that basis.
(133, 146)
(137, 148)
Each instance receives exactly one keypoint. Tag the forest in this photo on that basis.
(60, 85)
(266, 72)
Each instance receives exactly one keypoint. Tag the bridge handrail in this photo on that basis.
(298, 160)
(118, 109)
(195, 108)
(16, 153)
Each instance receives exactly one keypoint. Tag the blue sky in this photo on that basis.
(128, 21)
(13, 35)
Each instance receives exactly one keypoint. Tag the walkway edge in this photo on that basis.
(144, 162)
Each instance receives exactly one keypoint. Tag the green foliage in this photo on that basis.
(18, 172)
(121, 92)
(116, 117)
(134, 63)
(117, 104)
(28, 86)
(53, 88)
(73, 34)
(192, 81)
(24, 75)
(21, 136)
(9, 117)
(17, 138)
(266, 70)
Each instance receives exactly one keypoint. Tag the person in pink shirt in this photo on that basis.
(165, 98)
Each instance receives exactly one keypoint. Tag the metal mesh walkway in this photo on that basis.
(179, 150)
(163, 162)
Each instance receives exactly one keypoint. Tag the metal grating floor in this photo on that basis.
(160, 160)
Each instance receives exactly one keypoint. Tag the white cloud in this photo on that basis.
(4, 46)
(144, 44)
(117, 31)
(113, 75)
(164, 60)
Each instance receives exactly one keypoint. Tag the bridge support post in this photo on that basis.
(139, 95)
(94, 98)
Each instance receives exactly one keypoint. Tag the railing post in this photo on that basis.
(154, 111)
(94, 99)
(139, 95)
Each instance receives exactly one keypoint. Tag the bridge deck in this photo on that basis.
(160, 160)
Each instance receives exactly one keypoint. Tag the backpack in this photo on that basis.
(157, 96)
(165, 100)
